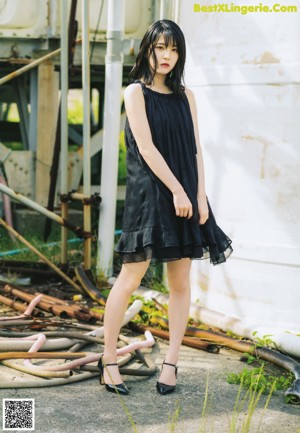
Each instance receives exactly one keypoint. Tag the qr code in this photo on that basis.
(18, 414)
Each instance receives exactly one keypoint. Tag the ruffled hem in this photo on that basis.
(158, 246)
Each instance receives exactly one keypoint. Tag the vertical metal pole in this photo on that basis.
(22, 103)
(110, 152)
(176, 10)
(86, 131)
(64, 81)
(33, 109)
(164, 9)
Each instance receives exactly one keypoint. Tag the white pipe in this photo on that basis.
(64, 77)
(30, 203)
(86, 89)
(86, 99)
(110, 152)
(64, 83)
(41, 383)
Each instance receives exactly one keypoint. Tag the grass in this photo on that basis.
(203, 422)
(51, 248)
(240, 419)
(174, 417)
(251, 398)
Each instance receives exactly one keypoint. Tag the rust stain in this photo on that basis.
(265, 143)
(265, 58)
(203, 283)
(248, 137)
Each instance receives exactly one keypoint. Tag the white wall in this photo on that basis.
(245, 73)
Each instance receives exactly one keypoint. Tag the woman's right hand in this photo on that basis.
(182, 204)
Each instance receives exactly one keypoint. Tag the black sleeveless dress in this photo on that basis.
(151, 229)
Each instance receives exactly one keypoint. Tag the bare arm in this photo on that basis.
(136, 113)
(202, 202)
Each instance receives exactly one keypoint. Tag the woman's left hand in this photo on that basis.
(203, 209)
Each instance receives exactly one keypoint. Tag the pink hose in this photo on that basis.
(28, 310)
(40, 339)
(86, 359)
(7, 209)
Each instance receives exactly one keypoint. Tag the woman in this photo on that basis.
(167, 216)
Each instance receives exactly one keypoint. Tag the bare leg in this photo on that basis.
(179, 306)
(127, 282)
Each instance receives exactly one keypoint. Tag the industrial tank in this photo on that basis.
(245, 72)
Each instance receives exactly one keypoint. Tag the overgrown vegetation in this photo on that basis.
(240, 418)
(261, 375)
(264, 380)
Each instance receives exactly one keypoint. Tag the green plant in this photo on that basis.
(154, 278)
(261, 379)
(202, 428)
(256, 385)
(173, 418)
(265, 341)
(126, 410)
(122, 170)
(233, 335)
(149, 310)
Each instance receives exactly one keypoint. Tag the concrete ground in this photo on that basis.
(86, 407)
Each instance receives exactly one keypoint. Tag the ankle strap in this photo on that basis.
(108, 365)
(172, 365)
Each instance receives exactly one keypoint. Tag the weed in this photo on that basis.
(256, 387)
(262, 380)
(265, 341)
(125, 408)
(173, 418)
(202, 428)
(148, 311)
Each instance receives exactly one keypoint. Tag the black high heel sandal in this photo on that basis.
(164, 389)
(121, 388)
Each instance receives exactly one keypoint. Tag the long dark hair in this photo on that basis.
(173, 35)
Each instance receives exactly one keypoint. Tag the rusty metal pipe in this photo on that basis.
(198, 344)
(63, 343)
(28, 67)
(59, 310)
(41, 355)
(270, 355)
(50, 307)
(75, 307)
(28, 312)
(17, 306)
(31, 65)
(148, 342)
